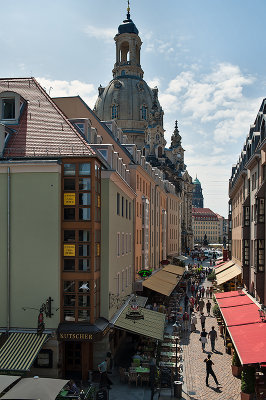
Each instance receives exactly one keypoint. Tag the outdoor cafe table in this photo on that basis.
(168, 353)
(169, 364)
(173, 345)
(139, 370)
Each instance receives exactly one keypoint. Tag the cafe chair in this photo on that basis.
(123, 374)
(133, 377)
(144, 378)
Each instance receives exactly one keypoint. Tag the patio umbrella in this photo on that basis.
(6, 380)
(36, 388)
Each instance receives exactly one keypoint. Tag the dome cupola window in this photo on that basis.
(144, 112)
(114, 111)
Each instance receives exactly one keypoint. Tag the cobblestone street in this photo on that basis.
(195, 369)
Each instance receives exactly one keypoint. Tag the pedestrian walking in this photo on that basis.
(186, 301)
(201, 305)
(185, 320)
(207, 292)
(212, 335)
(203, 339)
(193, 323)
(202, 320)
(202, 291)
(211, 291)
(209, 371)
(104, 378)
(208, 307)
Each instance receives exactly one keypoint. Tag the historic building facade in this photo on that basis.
(135, 107)
(247, 208)
(205, 222)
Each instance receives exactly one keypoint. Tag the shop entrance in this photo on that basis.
(73, 360)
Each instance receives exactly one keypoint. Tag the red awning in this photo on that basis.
(250, 342)
(241, 315)
(223, 295)
(234, 301)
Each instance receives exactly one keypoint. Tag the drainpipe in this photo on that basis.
(8, 249)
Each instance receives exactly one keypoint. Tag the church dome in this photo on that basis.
(196, 181)
(128, 26)
(128, 100)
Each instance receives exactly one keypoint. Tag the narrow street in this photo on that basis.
(194, 373)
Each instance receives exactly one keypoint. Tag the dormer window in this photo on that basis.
(8, 108)
(11, 107)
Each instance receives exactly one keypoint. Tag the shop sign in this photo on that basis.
(69, 199)
(75, 336)
(69, 250)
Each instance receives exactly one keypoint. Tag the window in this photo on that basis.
(80, 126)
(44, 359)
(126, 208)
(118, 204)
(144, 112)
(122, 206)
(114, 111)
(85, 169)
(129, 211)
(69, 169)
(126, 243)
(118, 283)
(8, 110)
(85, 184)
(123, 280)
(129, 243)
(118, 244)
(261, 210)
(123, 244)
(261, 257)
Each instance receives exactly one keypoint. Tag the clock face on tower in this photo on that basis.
(179, 155)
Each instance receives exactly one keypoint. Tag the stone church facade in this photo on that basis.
(135, 107)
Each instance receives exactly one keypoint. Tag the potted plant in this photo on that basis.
(247, 383)
(236, 365)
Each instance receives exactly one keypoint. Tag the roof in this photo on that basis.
(152, 325)
(196, 181)
(43, 130)
(203, 212)
(128, 26)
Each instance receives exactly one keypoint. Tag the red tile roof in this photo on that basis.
(43, 130)
(203, 212)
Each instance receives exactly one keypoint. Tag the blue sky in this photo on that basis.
(206, 57)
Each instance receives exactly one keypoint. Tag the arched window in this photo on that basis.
(123, 72)
(144, 112)
(114, 111)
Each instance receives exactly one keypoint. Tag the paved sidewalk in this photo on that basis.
(195, 368)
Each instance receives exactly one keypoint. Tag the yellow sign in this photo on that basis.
(69, 250)
(69, 199)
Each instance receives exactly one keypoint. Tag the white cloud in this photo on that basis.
(57, 88)
(214, 101)
(106, 34)
(154, 82)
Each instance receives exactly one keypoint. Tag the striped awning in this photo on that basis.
(20, 350)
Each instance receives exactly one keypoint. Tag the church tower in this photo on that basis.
(197, 196)
(127, 98)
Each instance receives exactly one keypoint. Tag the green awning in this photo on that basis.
(152, 325)
(20, 350)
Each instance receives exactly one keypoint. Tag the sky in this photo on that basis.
(206, 57)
